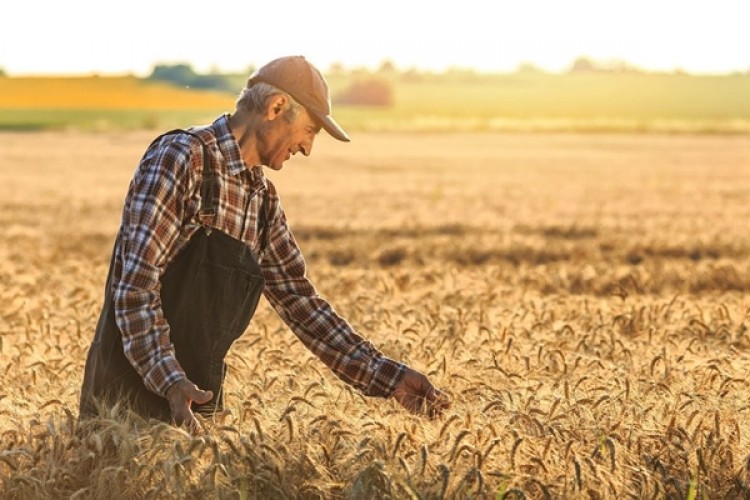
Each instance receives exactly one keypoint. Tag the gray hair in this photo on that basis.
(255, 99)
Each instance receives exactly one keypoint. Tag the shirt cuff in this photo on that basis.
(387, 374)
(162, 375)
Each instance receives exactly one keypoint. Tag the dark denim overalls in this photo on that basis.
(209, 293)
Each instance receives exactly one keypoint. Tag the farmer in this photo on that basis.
(203, 234)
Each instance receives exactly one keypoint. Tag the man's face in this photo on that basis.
(283, 138)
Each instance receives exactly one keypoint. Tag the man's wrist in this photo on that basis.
(163, 374)
(172, 387)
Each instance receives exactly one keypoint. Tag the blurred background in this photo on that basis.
(578, 65)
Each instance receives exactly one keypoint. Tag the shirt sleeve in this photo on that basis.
(151, 224)
(352, 358)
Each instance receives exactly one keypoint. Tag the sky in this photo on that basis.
(104, 37)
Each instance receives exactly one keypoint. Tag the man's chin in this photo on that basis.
(274, 166)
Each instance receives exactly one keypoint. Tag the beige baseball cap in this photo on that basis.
(301, 80)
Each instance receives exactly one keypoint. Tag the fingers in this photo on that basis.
(185, 418)
(435, 403)
(431, 404)
(189, 423)
(431, 401)
(431, 394)
(180, 396)
(180, 410)
(200, 396)
(441, 403)
(416, 393)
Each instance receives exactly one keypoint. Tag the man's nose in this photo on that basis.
(306, 147)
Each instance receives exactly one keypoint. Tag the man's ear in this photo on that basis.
(276, 106)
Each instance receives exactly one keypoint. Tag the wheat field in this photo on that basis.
(582, 298)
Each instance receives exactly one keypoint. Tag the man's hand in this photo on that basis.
(419, 396)
(180, 396)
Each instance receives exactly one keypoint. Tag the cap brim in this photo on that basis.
(333, 128)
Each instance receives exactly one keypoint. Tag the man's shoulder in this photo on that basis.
(187, 139)
(177, 152)
(204, 134)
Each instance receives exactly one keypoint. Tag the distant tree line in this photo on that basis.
(586, 65)
(387, 69)
(182, 75)
(365, 89)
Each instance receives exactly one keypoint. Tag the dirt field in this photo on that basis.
(583, 298)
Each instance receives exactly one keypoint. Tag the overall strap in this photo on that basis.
(265, 230)
(263, 223)
(209, 183)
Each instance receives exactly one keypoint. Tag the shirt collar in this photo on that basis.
(230, 150)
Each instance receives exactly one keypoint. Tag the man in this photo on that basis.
(203, 234)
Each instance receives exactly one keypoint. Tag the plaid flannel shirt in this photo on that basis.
(160, 216)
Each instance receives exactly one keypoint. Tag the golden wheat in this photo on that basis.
(583, 299)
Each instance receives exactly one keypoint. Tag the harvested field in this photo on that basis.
(584, 299)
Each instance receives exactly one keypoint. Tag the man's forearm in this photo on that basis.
(353, 359)
(145, 338)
